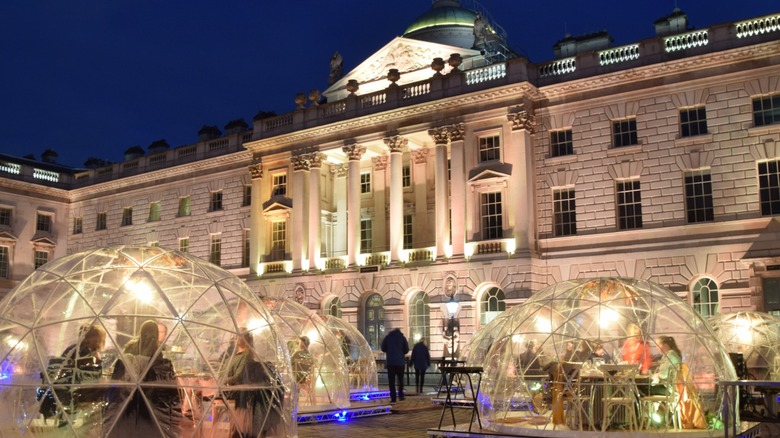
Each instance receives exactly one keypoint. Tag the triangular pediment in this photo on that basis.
(411, 57)
(7, 236)
(277, 203)
(43, 240)
(490, 172)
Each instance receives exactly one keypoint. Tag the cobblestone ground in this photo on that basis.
(411, 418)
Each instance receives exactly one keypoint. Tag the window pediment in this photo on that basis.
(491, 177)
(43, 243)
(7, 238)
(277, 211)
(277, 202)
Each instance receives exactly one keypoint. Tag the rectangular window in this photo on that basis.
(78, 225)
(629, 205)
(693, 121)
(366, 245)
(698, 196)
(101, 222)
(564, 212)
(561, 143)
(247, 200)
(278, 240)
(624, 133)
(43, 223)
(5, 262)
(407, 231)
(184, 206)
(41, 258)
(155, 244)
(245, 250)
(766, 110)
(489, 148)
(5, 217)
(771, 295)
(127, 216)
(769, 187)
(215, 249)
(280, 185)
(154, 211)
(184, 245)
(216, 201)
(365, 182)
(492, 220)
(406, 176)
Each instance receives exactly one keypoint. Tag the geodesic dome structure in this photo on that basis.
(541, 373)
(320, 368)
(754, 335)
(140, 341)
(357, 352)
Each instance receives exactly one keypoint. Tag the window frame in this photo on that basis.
(688, 126)
(365, 183)
(406, 176)
(184, 245)
(419, 311)
(245, 248)
(712, 307)
(564, 221)
(246, 198)
(154, 211)
(279, 184)
(628, 215)
(78, 225)
(127, 217)
(278, 244)
(697, 188)
(486, 229)
(768, 111)
(408, 228)
(487, 153)
(215, 249)
(44, 222)
(768, 187)
(40, 257)
(184, 207)
(486, 301)
(101, 221)
(216, 199)
(366, 236)
(624, 130)
(561, 147)
(6, 217)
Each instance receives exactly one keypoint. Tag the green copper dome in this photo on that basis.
(444, 16)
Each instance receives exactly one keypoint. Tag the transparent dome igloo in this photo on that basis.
(756, 336)
(316, 357)
(360, 358)
(587, 355)
(140, 341)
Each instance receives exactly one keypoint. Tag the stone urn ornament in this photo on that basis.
(300, 100)
(393, 75)
(437, 65)
(455, 61)
(314, 96)
(352, 86)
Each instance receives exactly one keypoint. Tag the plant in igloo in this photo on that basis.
(754, 335)
(316, 357)
(140, 341)
(594, 355)
(361, 362)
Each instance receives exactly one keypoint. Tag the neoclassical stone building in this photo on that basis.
(445, 166)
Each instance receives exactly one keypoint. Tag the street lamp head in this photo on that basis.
(452, 307)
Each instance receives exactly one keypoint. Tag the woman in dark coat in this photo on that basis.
(421, 358)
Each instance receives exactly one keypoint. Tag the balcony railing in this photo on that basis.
(559, 67)
(486, 247)
(421, 255)
(688, 40)
(619, 54)
(275, 267)
(335, 263)
(374, 259)
(486, 74)
(758, 26)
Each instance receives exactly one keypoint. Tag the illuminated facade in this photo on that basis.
(481, 176)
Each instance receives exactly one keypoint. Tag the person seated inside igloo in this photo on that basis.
(141, 361)
(257, 406)
(79, 363)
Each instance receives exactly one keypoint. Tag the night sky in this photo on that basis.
(90, 78)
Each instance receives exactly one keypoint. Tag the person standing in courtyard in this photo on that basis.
(421, 358)
(395, 347)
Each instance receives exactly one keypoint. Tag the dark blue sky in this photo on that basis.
(94, 77)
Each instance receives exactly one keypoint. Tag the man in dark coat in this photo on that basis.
(395, 346)
(421, 358)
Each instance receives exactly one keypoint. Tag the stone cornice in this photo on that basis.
(434, 106)
(236, 159)
(663, 69)
(36, 190)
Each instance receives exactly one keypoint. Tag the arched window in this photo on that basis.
(374, 321)
(491, 304)
(705, 297)
(420, 318)
(333, 307)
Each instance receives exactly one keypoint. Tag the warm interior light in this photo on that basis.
(256, 324)
(543, 324)
(139, 286)
(452, 307)
(607, 316)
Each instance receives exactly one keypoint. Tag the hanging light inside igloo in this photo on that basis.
(615, 355)
(754, 340)
(140, 341)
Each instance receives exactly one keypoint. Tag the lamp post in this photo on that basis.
(452, 309)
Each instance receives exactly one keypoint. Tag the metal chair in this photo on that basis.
(621, 392)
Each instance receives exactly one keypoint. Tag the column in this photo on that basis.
(421, 236)
(315, 242)
(257, 239)
(340, 200)
(521, 183)
(354, 153)
(379, 195)
(440, 138)
(395, 145)
(458, 188)
(298, 240)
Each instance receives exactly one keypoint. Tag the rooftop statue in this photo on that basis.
(336, 68)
